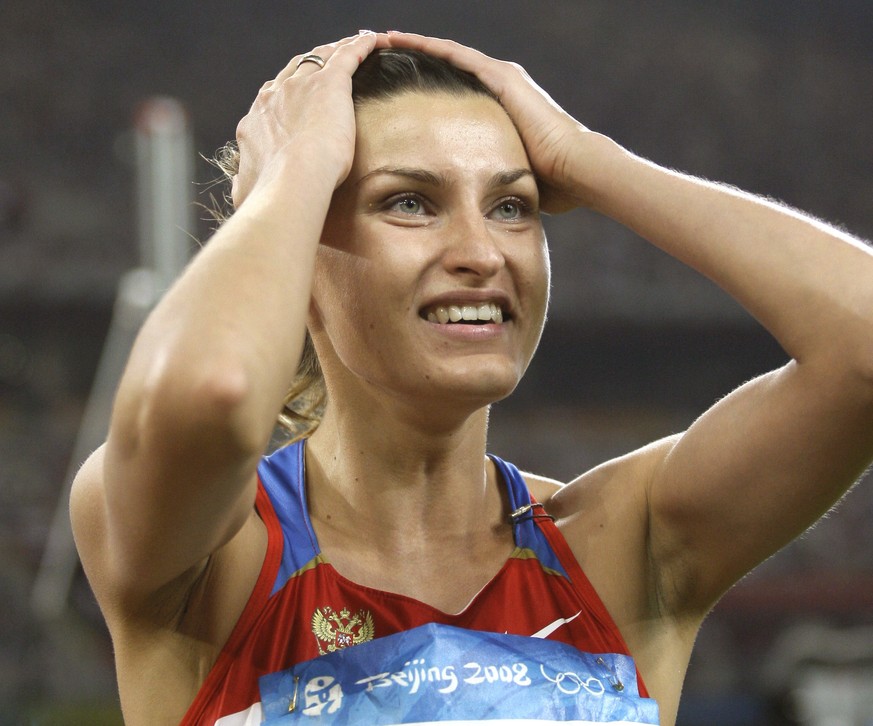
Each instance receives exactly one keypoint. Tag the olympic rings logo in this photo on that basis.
(570, 683)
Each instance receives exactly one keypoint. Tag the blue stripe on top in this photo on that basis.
(527, 533)
(282, 474)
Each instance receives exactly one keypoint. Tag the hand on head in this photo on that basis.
(549, 134)
(307, 108)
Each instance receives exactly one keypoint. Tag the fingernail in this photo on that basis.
(366, 32)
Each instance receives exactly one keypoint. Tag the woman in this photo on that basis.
(382, 224)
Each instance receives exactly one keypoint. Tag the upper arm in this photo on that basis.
(116, 580)
(164, 637)
(88, 519)
(688, 516)
(753, 473)
(160, 497)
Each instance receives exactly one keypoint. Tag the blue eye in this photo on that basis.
(407, 205)
(509, 210)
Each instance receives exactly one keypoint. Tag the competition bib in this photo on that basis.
(438, 674)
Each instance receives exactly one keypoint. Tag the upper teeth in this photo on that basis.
(454, 313)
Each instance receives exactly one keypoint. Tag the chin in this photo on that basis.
(480, 387)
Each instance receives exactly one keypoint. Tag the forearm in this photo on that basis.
(232, 327)
(807, 283)
(800, 435)
(210, 368)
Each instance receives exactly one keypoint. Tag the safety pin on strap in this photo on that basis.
(526, 512)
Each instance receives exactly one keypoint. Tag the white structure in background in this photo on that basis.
(826, 672)
(164, 183)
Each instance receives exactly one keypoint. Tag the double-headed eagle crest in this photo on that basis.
(337, 630)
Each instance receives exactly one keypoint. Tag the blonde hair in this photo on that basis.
(306, 398)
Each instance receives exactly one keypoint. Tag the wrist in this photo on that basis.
(592, 167)
(291, 185)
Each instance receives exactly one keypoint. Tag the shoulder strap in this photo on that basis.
(525, 512)
(283, 476)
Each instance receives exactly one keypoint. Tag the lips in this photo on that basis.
(470, 313)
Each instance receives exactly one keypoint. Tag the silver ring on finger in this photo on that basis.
(311, 58)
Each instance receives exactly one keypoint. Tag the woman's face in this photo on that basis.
(438, 219)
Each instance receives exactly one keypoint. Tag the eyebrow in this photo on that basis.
(500, 179)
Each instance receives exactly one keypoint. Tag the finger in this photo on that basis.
(348, 56)
(460, 56)
(495, 74)
(501, 77)
(310, 59)
(325, 52)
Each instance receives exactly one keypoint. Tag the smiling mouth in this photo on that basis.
(472, 314)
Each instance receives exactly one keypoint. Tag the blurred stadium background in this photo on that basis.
(774, 96)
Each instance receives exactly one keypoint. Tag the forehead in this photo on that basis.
(437, 131)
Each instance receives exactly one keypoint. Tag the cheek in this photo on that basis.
(346, 304)
(335, 294)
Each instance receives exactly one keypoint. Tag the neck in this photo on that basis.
(390, 474)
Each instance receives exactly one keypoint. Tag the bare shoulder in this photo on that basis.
(604, 517)
(618, 477)
(542, 488)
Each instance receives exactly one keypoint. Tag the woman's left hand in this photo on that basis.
(550, 135)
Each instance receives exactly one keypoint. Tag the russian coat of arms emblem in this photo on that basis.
(335, 630)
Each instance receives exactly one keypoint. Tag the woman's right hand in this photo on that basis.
(305, 110)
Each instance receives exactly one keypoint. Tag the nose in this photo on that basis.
(472, 248)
